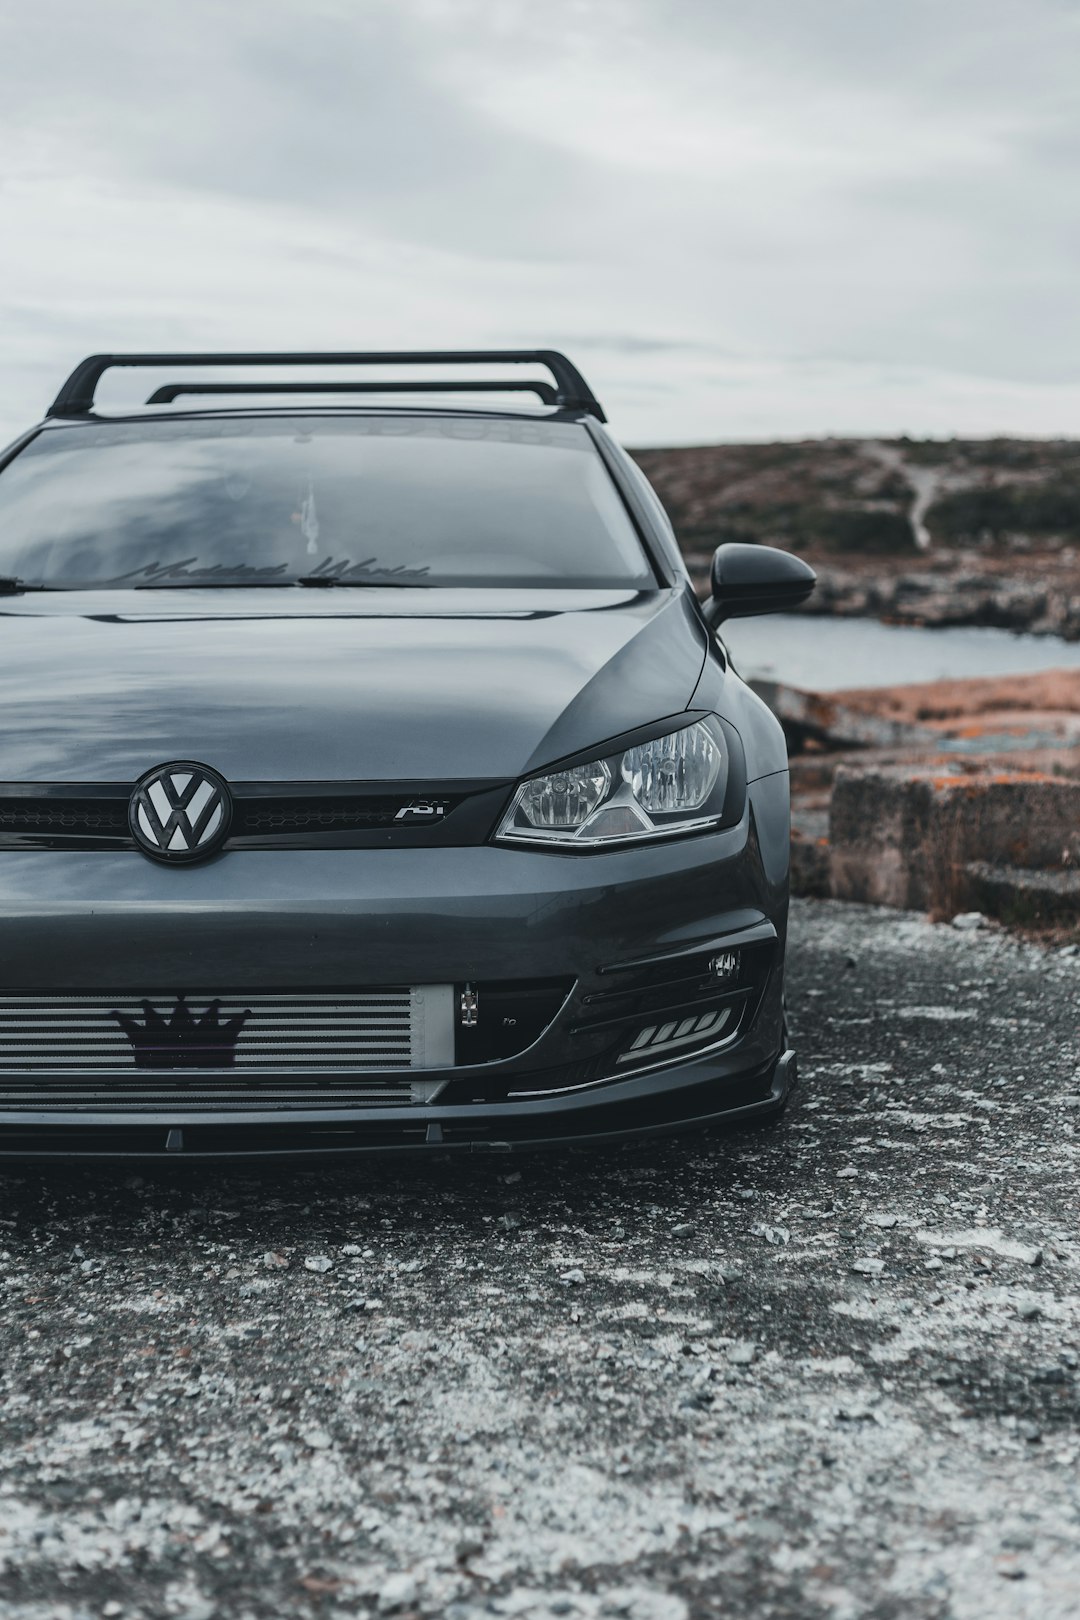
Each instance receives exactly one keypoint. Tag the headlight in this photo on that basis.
(673, 784)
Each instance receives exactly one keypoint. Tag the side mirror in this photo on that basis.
(747, 580)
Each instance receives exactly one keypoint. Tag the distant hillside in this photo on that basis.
(884, 498)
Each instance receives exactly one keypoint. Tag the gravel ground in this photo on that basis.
(826, 1367)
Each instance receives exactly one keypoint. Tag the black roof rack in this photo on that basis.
(76, 397)
(170, 391)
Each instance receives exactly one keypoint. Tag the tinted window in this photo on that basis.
(399, 500)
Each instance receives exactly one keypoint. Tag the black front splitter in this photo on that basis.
(753, 1097)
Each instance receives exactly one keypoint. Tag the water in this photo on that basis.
(826, 655)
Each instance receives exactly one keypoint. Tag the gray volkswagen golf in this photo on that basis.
(371, 777)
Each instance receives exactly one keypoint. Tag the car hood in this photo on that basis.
(305, 686)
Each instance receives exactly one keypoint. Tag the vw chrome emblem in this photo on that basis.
(180, 812)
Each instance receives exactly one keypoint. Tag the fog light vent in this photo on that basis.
(725, 965)
(655, 1039)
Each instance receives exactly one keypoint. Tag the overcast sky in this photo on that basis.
(744, 220)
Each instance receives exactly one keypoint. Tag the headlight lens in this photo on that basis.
(672, 773)
(673, 784)
(565, 798)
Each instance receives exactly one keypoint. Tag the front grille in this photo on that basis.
(95, 816)
(259, 1048)
(282, 816)
(261, 816)
(98, 817)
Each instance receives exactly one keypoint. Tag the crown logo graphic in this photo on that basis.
(183, 1041)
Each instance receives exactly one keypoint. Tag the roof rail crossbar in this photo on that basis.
(170, 391)
(76, 397)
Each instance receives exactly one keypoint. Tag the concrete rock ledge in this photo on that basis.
(1025, 899)
(904, 836)
(829, 719)
(943, 798)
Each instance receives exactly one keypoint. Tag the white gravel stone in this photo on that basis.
(398, 1592)
(599, 1450)
(317, 1439)
(742, 1353)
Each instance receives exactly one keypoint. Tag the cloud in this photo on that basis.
(778, 219)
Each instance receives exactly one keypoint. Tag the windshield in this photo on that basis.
(360, 500)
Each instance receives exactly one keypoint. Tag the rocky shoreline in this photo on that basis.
(919, 532)
(1039, 597)
(1042, 599)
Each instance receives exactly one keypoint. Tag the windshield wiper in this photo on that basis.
(210, 585)
(185, 574)
(261, 584)
(10, 586)
(328, 580)
(366, 571)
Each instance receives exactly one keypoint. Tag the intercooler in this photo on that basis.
(295, 1046)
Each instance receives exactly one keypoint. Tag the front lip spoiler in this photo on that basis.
(193, 1140)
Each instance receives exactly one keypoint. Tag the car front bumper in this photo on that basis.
(100, 922)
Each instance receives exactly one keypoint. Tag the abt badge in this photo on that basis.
(180, 812)
(422, 810)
